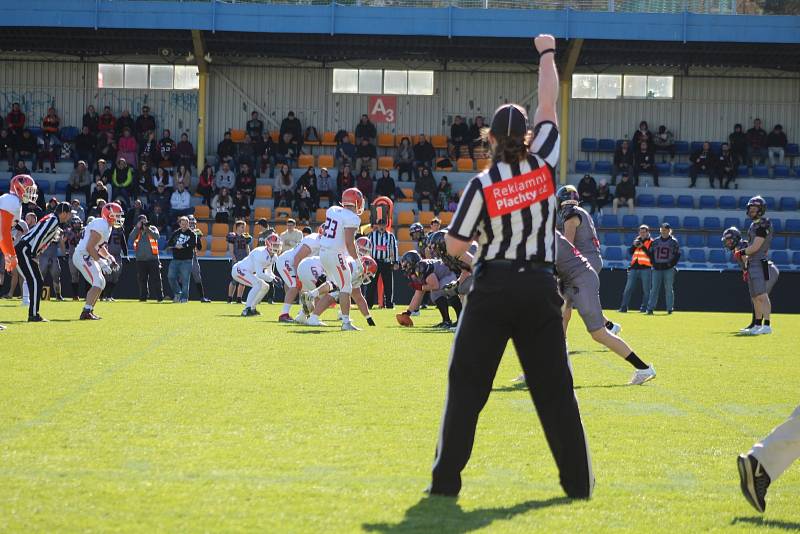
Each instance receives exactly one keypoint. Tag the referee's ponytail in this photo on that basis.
(509, 134)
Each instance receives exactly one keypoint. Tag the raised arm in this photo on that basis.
(548, 80)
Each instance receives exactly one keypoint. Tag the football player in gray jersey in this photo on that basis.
(759, 237)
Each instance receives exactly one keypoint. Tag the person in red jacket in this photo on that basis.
(15, 120)
(107, 122)
(51, 122)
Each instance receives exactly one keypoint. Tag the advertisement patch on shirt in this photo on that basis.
(519, 192)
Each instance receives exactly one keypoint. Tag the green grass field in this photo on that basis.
(184, 418)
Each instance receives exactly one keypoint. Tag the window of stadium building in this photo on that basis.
(376, 81)
(132, 76)
(613, 86)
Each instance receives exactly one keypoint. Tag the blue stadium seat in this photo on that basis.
(761, 171)
(43, 186)
(5, 183)
(714, 240)
(717, 256)
(673, 221)
(652, 221)
(794, 243)
(68, 133)
(696, 146)
(691, 222)
(628, 237)
(681, 169)
(780, 171)
(695, 241)
(788, 204)
(731, 221)
(602, 167)
(685, 202)
(778, 243)
(36, 131)
(630, 222)
(646, 201)
(609, 220)
(583, 165)
(771, 204)
(743, 170)
(727, 202)
(606, 145)
(664, 168)
(162, 242)
(743, 202)
(697, 255)
(589, 144)
(613, 240)
(792, 150)
(613, 254)
(61, 186)
(781, 257)
(712, 223)
(777, 225)
(682, 148)
(796, 258)
(707, 202)
(666, 201)
(716, 147)
(792, 225)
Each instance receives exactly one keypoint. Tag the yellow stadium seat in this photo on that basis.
(425, 217)
(405, 246)
(237, 136)
(440, 168)
(439, 141)
(405, 218)
(202, 212)
(403, 234)
(219, 229)
(219, 244)
(305, 160)
(275, 136)
(319, 216)
(465, 165)
(386, 140)
(328, 139)
(326, 161)
(263, 213)
(386, 162)
(283, 212)
(263, 191)
(446, 217)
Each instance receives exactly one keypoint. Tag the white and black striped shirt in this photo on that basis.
(384, 246)
(512, 207)
(41, 235)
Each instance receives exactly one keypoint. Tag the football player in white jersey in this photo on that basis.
(362, 270)
(338, 243)
(22, 190)
(287, 269)
(93, 259)
(255, 272)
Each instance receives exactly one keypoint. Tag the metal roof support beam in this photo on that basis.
(573, 53)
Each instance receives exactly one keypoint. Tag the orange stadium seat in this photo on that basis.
(305, 160)
(263, 191)
(263, 213)
(403, 234)
(328, 139)
(386, 140)
(319, 216)
(446, 217)
(237, 136)
(283, 212)
(439, 141)
(203, 227)
(275, 136)
(326, 161)
(202, 212)
(386, 162)
(408, 192)
(219, 244)
(425, 217)
(465, 165)
(404, 218)
(405, 246)
(439, 168)
(365, 216)
(219, 229)
(483, 164)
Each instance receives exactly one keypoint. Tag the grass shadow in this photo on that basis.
(603, 386)
(309, 331)
(443, 514)
(768, 523)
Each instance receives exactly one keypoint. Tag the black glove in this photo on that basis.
(370, 321)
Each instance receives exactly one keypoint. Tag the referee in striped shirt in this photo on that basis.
(510, 209)
(33, 243)
(384, 252)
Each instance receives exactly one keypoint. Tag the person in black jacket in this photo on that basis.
(424, 154)
(587, 191)
(226, 151)
(643, 134)
(144, 123)
(91, 119)
(183, 243)
(365, 129)
(476, 133)
(125, 121)
(385, 187)
(776, 146)
(459, 136)
(644, 161)
(425, 189)
(366, 156)
(702, 161)
(738, 143)
(27, 147)
(624, 194)
(623, 161)
(725, 167)
(292, 125)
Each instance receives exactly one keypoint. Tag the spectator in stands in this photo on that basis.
(166, 150)
(292, 125)
(180, 203)
(145, 123)
(100, 193)
(7, 146)
(163, 177)
(288, 150)
(604, 196)
(282, 190)
(91, 120)
(124, 181)
(345, 152)
(643, 134)
(185, 152)
(664, 142)
(624, 194)
(49, 149)
(587, 191)
(665, 253)
(133, 214)
(160, 197)
(738, 144)
(311, 134)
(51, 122)
(247, 152)
(364, 183)
(326, 187)
(221, 206)
(226, 151)
(424, 154)
(205, 184)
(366, 156)
(459, 136)
(291, 236)
(150, 152)
(77, 209)
(125, 121)
(267, 156)
(106, 122)
(308, 180)
(623, 161)
(241, 206)
(366, 130)
(776, 145)
(702, 162)
(158, 217)
(128, 148)
(756, 143)
(385, 187)
(144, 240)
(303, 203)
(144, 183)
(102, 172)
(443, 193)
(106, 147)
(15, 120)
(425, 189)
(27, 148)
(225, 177)
(725, 167)
(246, 182)
(404, 159)
(644, 161)
(477, 139)
(79, 181)
(183, 175)
(344, 180)
(640, 269)
(255, 127)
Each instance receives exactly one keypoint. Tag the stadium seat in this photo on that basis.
(69, 133)
(609, 220)
(681, 148)
(263, 191)
(408, 193)
(35, 131)
(425, 217)
(780, 171)
(386, 162)
(237, 136)
(405, 218)
(305, 160)
(792, 150)
(319, 215)
(403, 234)
(777, 225)
(792, 225)
(794, 243)
(673, 221)
(743, 202)
(613, 254)
(716, 147)
(685, 202)
(606, 145)
(731, 221)
(646, 201)
(405, 246)
(275, 135)
(328, 139)
(796, 258)
(483, 164)
(707, 202)
(771, 204)
(439, 141)
(203, 227)
(666, 201)
(630, 222)
(786, 204)
(583, 165)
(61, 186)
(717, 256)
(727, 202)
(365, 216)
(283, 212)
(743, 170)
(681, 169)
(781, 257)
(263, 212)
(761, 171)
(695, 241)
(696, 146)
(778, 243)
(588, 144)
(691, 222)
(613, 240)
(440, 168)
(664, 168)
(202, 211)
(43, 186)
(602, 167)
(465, 165)
(219, 229)
(651, 221)
(386, 140)
(628, 237)
(712, 223)
(325, 161)
(697, 255)
(219, 246)
(446, 217)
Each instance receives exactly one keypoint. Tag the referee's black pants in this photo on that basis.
(386, 272)
(526, 308)
(29, 267)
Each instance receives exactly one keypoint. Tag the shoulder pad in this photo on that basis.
(569, 211)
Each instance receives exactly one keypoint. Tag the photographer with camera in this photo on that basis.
(148, 267)
(640, 269)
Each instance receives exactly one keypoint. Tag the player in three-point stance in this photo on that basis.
(255, 272)
(286, 266)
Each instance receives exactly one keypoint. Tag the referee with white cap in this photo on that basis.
(510, 209)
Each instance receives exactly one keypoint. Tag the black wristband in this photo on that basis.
(549, 50)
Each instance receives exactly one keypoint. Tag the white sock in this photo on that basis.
(314, 316)
(345, 318)
(286, 308)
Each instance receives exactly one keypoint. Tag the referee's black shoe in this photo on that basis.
(754, 481)
(37, 319)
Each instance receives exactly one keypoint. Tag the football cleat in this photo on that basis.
(37, 319)
(519, 380)
(301, 318)
(284, 318)
(764, 329)
(246, 312)
(86, 315)
(415, 313)
(640, 376)
(349, 326)
(753, 480)
(314, 321)
(252, 311)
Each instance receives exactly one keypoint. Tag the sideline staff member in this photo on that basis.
(512, 209)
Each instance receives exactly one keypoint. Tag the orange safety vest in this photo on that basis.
(153, 244)
(640, 255)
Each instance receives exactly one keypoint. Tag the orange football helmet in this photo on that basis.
(355, 198)
(24, 187)
(369, 266)
(113, 214)
(364, 246)
(273, 243)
